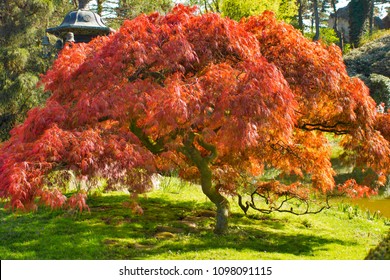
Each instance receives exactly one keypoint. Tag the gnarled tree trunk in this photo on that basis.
(212, 193)
(203, 165)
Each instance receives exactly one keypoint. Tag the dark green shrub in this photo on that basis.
(380, 88)
(382, 251)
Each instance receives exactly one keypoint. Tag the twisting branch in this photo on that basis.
(144, 73)
(242, 206)
(280, 146)
(156, 147)
(337, 128)
(190, 151)
(272, 207)
(291, 210)
(209, 147)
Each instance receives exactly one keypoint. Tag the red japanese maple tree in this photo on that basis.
(215, 99)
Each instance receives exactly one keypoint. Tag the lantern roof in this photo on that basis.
(83, 23)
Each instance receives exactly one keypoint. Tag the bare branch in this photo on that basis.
(279, 208)
(338, 128)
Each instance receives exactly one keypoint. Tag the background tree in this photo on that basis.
(359, 14)
(132, 8)
(206, 5)
(316, 21)
(116, 11)
(99, 6)
(285, 9)
(22, 25)
(320, 11)
(300, 15)
(217, 100)
(303, 7)
(335, 25)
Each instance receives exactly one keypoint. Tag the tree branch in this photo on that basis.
(144, 73)
(156, 147)
(279, 208)
(326, 127)
(209, 147)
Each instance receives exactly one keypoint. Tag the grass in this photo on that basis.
(176, 224)
(377, 34)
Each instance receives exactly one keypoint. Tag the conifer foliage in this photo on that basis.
(218, 100)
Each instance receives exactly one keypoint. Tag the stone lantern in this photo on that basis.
(80, 26)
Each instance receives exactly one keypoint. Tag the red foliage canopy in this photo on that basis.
(166, 91)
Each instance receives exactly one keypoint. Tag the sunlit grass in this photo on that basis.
(377, 34)
(176, 224)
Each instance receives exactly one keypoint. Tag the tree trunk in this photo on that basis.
(220, 202)
(205, 6)
(206, 177)
(336, 27)
(300, 16)
(216, 5)
(100, 7)
(371, 16)
(317, 21)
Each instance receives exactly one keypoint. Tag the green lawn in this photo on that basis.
(176, 224)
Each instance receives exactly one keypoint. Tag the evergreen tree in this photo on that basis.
(22, 25)
(359, 13)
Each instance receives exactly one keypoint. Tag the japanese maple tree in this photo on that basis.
(217, 100)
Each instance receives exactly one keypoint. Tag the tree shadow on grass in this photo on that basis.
(111, 231)
(260, 242)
